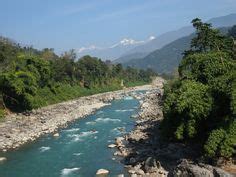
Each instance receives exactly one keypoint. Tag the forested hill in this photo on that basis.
(31, 78)
(166, 59)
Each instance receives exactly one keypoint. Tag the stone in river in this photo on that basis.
(102, 172)
(111, 145)
(56, 135)
(121, 175)
(2, 159)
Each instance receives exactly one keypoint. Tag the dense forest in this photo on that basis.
(200, 105)
(31, 78)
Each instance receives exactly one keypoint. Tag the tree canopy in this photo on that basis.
(31, 78)
(200, 105)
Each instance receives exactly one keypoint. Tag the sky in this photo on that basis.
(67, 24)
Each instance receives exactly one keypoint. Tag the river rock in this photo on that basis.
(151, 165)
(2, 159)
(121, 175)
(131, 171)
(119, 141)
(102, 172)
(56, 135)
(111, 145)
(117, 153)
(185, 169)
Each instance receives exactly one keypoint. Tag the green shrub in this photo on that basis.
(185, 108)
(201, 104)
(214, 140)
(221, 142)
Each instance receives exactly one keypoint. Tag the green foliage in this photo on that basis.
(8, 52)
(34, 78)
(232, 32)
(227, 148)
(204, 67)
(221, 142)
(200, 105)
(17, 89)
(186, 106)
(214, 140)
(208, 39)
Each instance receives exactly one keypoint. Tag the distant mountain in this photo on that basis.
(144, 49)
(161, 40)
(163, 60)
(113, 52)
(125, 58)
(166, 59)
(223, 21)
(166, 38)
(130, 49)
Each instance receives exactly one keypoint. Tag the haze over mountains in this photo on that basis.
(113, 52)
(166, 59)
(171, 36)
(161, 53)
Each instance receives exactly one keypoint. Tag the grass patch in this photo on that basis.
(65, 92)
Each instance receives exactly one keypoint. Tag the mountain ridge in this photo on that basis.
(166, 59)
(168, 37)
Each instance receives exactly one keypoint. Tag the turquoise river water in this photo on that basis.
(80, 150)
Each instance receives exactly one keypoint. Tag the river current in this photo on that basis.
(80, 150)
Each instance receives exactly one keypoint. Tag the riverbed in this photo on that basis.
(20, 128)
(81, 148)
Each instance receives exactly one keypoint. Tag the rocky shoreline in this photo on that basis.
(19, 129)
(144, 153)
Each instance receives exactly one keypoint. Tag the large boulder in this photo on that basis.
(186, 169)
(152, 165)
(154, 168)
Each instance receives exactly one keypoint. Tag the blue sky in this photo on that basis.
(66, 24)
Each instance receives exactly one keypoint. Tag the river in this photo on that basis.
(80, 150)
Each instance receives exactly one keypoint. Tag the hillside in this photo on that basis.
(163, 60)
(166, 38)
(166, 59)
(137, 55)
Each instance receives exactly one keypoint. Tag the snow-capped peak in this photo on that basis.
(123, 42)
(92, 47)
(151, 38)
(126, 42)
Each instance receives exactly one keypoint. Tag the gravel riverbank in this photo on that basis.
(145, 154)
(18, 129)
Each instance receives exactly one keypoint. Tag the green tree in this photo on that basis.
(209, 39)
(200, 105)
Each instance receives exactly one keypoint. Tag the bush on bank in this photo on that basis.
(200, 105)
